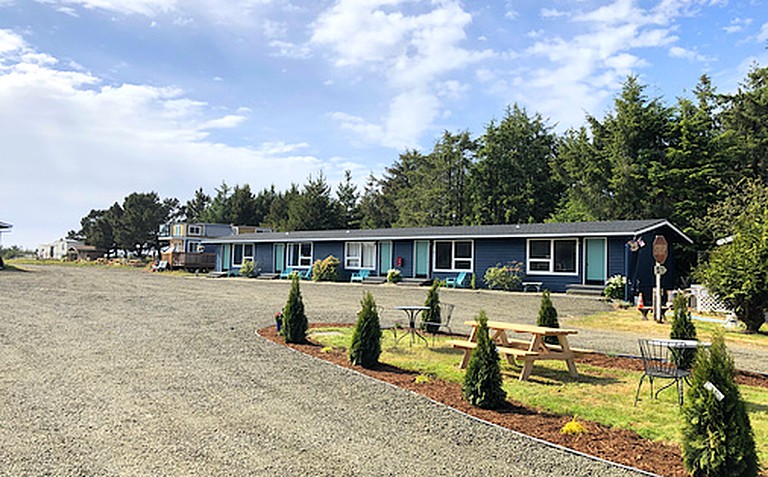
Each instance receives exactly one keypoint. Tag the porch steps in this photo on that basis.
(415, 282)
(586, 290)
(374, 280)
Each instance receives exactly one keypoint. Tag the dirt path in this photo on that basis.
(117, 372)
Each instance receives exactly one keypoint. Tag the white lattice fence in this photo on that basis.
(703, 301)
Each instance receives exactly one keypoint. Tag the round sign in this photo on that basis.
(660, 249)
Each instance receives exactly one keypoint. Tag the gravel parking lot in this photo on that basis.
(121, 372)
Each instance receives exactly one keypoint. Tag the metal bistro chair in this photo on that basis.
(658, 362)
(388, 325)
(446, 311)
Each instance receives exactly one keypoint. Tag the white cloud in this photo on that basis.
(737, 25)
(286, 49)
(763, 35)
(552, 13)
(72, 143)
(691, 55)
(412, 52)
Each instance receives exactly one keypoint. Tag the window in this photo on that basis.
(360, 255)
(178, 230)
(192, 247)
(552, 256)
(299, 255)
(195, 230)
(453, 255)
(241, 252)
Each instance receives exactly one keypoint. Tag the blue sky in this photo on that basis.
(101, 98)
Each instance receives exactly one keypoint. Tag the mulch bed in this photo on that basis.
(616, 445)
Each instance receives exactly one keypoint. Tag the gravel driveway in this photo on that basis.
(119, 372)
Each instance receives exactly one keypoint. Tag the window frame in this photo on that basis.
(361, 265)
(453, 258)
(302, 261)
(551, 260)
(243, 256)
(196, 230)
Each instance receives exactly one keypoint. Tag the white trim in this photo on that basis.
(361, 266)
(664, 222)
(453, 256)
(244, 257)
(289, 254)
(605, 255)
(551, 259)
(199, 230)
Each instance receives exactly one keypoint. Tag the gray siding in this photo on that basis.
(264, 258)
(404, 250)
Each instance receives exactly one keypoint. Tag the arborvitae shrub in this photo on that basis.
(482, 381)
(548, 316)
(682, 329)
(366, 339)
(294, 318)
(717, 434)
(432, 315)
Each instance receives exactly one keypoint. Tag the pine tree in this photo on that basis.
(482, 381)
(432, 315)
(366, 339)
(717, 435)
(548, 316)
(682, 329)
(294, 318)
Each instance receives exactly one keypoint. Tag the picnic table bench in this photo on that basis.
(528, 351)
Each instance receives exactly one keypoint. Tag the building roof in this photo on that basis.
(560, 229)
(5, 226)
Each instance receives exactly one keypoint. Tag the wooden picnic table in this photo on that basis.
(527, 350)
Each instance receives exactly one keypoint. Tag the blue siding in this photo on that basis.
(616, 256)
(321, 251)
(641, 277)
(492, 252)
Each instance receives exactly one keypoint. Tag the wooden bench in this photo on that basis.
(535, 285)
(505, 350)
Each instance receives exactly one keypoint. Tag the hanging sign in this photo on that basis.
(660, 249)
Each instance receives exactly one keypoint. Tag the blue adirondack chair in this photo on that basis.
(305, 274)
(360, 275)
(286, 273)
(459, 281)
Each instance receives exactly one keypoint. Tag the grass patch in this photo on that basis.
(630, 320)
(600, 394)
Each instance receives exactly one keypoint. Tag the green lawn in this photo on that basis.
(631, 320)
(602, 395)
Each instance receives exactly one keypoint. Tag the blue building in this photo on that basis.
(558, 255)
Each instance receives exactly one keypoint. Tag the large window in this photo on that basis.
(552, 256)
(299, 255)
(241, 252)
(360, 255)
(195, 230)
(453, 255)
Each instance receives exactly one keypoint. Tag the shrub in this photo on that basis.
(432, 315)
(394, 275)
(614, 289)
(717, 435)
(506, 277)
(548, 316)
(294, 319)
(248, 269)
(482, 381)
(366, 338)
(326, 270)
(682, 329)
(573, 428)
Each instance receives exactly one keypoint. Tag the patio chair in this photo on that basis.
(388, 325)
(659, 363)
(459, 281)
(286, 273)
(359, 276)
(446, 312)
(305, 274)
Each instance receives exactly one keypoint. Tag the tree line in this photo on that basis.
(643, 159)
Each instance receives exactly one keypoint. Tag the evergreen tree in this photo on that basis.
(314, 208)
(511, 181)
(376, 209)
(194, 209)
(682, 329)
(294, 319)
(717, 435)
(218, 211)
(242, 207)
(548, 316)
(366, 338)
(277, 218)
(348, 201)
(432, 315)
(482, 385)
